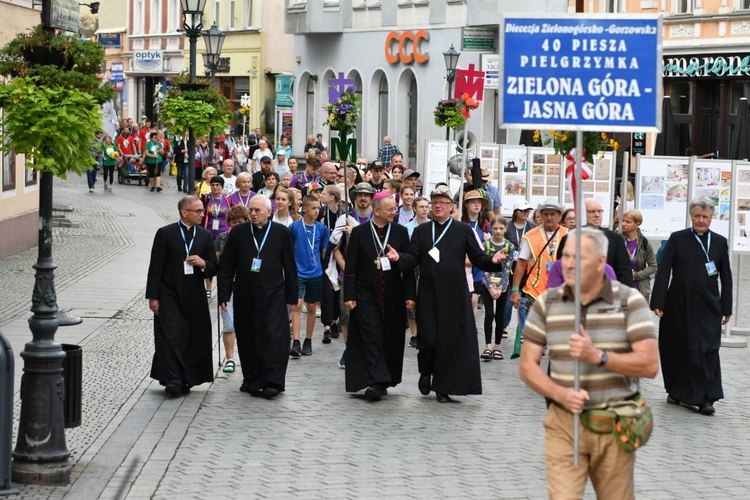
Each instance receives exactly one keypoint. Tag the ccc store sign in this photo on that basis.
(406, 47)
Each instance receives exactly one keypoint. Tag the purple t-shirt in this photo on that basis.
(556, 275)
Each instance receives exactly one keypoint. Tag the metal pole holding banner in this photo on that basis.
(463, 170)
(623, 186)
(580, 208)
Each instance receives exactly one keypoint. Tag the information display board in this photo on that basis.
(661, 192)
(436, 166)
(546, 175)
(601, 185)
(713, 178)
(513, 181)
(740, 219)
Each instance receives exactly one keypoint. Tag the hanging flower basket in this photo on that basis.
(593, 143)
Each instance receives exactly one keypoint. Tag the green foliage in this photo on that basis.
(203, 110)
(448, 114)
(52, 126)
(74, 63)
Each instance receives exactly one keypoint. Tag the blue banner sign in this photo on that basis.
(577, 72)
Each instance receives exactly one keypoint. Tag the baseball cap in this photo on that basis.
(410, 173)
(265, 159)
(522, 206)
(376, 164)
(364, 188)
(315, 186)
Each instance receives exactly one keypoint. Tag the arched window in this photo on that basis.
(310, 107)
(382, 108)
(413, 121)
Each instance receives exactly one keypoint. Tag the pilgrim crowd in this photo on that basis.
(384, 266)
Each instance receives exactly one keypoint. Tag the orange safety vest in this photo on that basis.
(537, 280)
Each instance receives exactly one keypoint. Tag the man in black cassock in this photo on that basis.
(375, 291)
(181, 257)
(692, 309)
(258, 266)
(448, 351)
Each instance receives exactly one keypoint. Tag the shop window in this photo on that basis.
(681, 96)
(736, 91)
(310, 125)
(382, 108)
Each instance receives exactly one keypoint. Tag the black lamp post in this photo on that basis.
(192, 23)
(451, 62)
(214, 39)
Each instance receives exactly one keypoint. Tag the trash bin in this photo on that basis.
(73, 384)
(6, 414)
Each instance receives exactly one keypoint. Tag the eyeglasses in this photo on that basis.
(570, 219)
(600, 211)
(443, 203)
(251, 210)
(197, 210)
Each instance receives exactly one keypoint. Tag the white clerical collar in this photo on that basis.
(187, 226)
(442, 223)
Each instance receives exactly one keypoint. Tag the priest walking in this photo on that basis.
(258, 266)
(375, 291)
(181, 257)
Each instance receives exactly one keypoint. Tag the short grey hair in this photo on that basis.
(601, 243)
(186, 201)
(265, 199)
(702, 202)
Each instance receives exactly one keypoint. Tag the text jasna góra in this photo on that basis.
(607, 94)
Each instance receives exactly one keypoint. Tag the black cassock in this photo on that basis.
(448, 348)
(693, 306)
(375, 346)
(261, 319)
(182, 329)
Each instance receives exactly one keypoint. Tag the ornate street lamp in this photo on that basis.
(192, 24)
(214, 40)
(451, 62)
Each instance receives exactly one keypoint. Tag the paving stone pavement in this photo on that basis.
(314, 441)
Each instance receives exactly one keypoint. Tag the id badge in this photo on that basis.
(215, 225)
(711, 268)
(188, 268)
(549, 266)
(385, 264)
(255, 267)
(435, 254)
(515, 255)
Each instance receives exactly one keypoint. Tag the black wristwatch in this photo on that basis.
(603, 358)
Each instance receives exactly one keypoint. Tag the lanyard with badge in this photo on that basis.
(381, 261)
(216, 208)
(551, 250)
(710, 265)
(435, 252)
(520, 237)
(188, 268)
(311, 242)
(244, 202)
(255, 267)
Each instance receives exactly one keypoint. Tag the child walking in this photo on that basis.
(495, 288)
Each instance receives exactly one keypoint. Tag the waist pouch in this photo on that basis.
(631, 422)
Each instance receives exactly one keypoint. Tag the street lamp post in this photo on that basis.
(451, 62)
(192, 23)
(214, 39)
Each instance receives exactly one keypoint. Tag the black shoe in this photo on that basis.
(342, 361)
(158, 190)
(307, 347)
(173, 390)
(295, 351)
(443, 398)
(672, 400)
(383, 391)
(270, 392)
(372, 393)
(424, 384)
(327, 336)
(185, 389)
(153, 189)
(335, 331)
(413, 341)
(706, 409)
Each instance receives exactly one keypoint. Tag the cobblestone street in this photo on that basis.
(314, 441)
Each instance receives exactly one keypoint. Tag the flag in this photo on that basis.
(570, 176)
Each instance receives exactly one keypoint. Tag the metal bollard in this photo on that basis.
(6, 416)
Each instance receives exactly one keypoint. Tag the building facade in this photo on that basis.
(19, 194)
(393, 50)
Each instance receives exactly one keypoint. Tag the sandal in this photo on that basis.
(229, 366)
(487, 354)
(497, 354)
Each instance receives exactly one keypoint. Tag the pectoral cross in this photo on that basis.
(377, 262)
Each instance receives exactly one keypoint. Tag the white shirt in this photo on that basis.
(229, 185)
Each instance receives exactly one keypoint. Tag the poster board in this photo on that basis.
(600, 186)
(713, 178)
(740, 220)
(546, 175)
(661, 188)
(436, 166)
(513, 179)
(489, 154)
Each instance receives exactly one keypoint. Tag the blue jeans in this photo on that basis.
(182, 176)
(91, 177)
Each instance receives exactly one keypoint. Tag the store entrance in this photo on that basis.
(708, 127)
